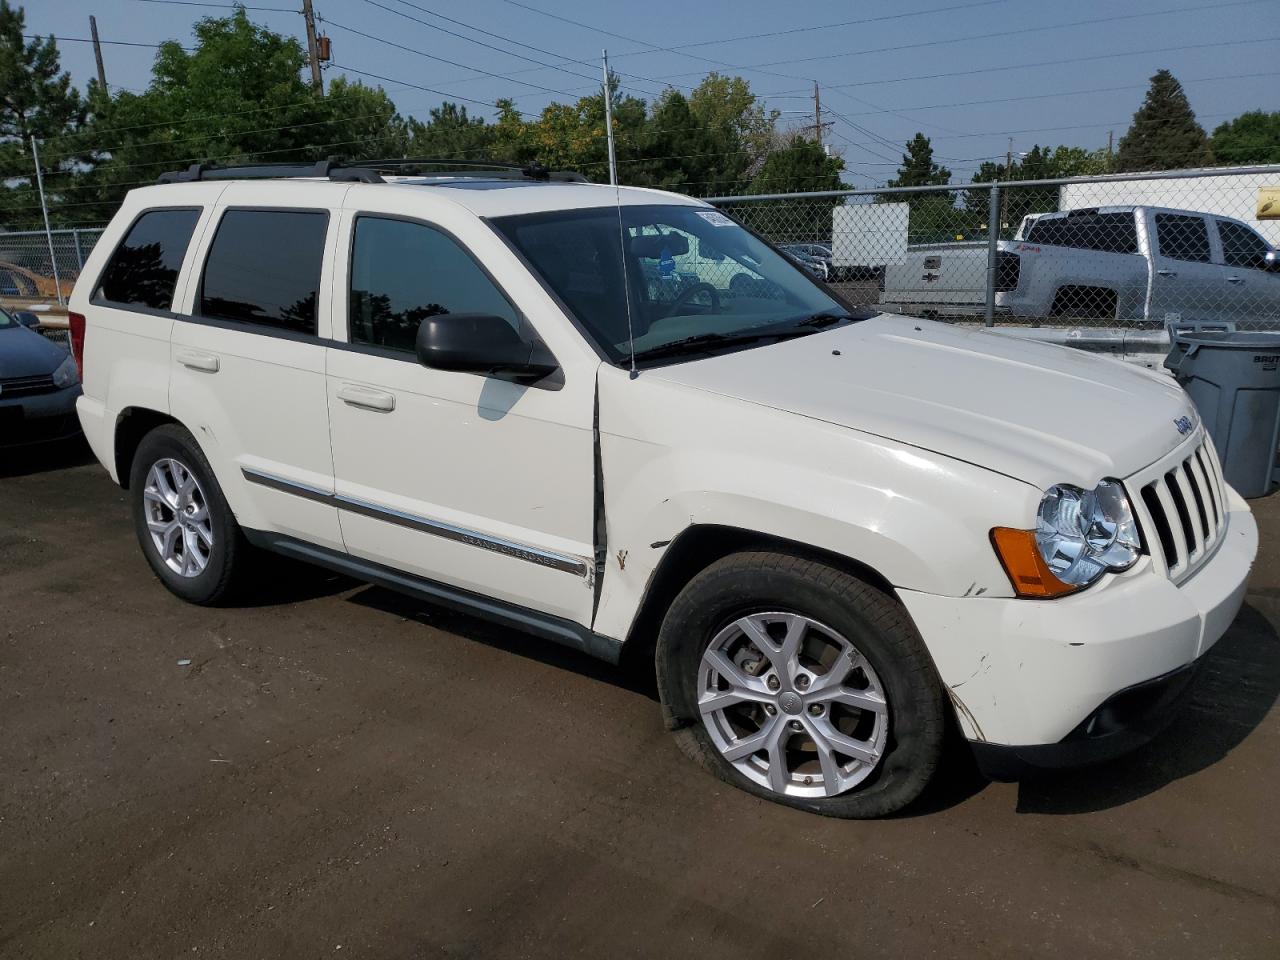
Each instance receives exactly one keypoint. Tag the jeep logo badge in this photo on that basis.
(1184, 425)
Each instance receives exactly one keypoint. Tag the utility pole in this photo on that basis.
(313, 51)
(818, 124)
(44, 208)
(1111, 139)
(608, 118)
(97, 52)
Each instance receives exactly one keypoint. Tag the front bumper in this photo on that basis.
(39, 417)
(1030, 674)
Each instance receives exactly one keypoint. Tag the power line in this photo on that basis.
(223, 6)
(114, 43)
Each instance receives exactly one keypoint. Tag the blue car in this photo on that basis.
(39, 384)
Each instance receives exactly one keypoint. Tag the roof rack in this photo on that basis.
(371, 171)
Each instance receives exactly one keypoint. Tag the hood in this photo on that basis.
(25, 353)
(1036, 412)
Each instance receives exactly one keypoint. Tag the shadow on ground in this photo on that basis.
(42, 457)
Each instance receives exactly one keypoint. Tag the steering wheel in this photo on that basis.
(688, 293)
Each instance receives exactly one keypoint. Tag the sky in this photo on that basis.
(979, 77)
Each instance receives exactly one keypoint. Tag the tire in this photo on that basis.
(900, 737)
(208, 543)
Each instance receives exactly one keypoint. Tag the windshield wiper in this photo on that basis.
(712, 341)
(824, 319)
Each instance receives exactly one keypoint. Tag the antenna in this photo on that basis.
(617, 203)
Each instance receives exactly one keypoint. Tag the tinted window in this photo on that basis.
(264, 268)
(1109, 232)
(143, 271)
(402, 273)
(1241, 247)
(1182, 238)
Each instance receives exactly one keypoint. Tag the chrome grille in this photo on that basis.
(1182, 508)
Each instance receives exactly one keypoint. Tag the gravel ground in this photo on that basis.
(331, 770)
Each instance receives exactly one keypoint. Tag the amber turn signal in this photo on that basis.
(1020, 557)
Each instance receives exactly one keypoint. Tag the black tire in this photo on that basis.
(227, 556)
(874, 622)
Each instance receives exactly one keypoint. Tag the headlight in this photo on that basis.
(66, 374)
(1079, 536)
(1083, 534)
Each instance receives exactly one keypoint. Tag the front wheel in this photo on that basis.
(801, 684)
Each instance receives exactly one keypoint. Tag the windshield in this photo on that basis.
(6, 320)
(696, 278)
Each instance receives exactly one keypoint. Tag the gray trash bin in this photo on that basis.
(1234, 381)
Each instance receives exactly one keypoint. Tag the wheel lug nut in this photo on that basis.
(816, 709)
(802, 681)
(770, 709)
(774, 683)
(796, 725)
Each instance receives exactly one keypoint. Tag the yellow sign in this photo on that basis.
(1269, 203)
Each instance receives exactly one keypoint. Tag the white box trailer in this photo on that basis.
(867, 236)
(1225, 193)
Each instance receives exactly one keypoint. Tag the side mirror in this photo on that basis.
(481, 343)
(27, 319)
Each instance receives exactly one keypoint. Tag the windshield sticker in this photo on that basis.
(716, 218)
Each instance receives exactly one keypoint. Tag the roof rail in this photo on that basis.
(370, 171)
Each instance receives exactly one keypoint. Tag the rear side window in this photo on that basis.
(1182, 238)
(402, 273)
(264, 268)
(143, 270)
(1241, 247)
(1108, 232)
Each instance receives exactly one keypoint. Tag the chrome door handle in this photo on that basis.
(366, 397)
(1167, 273)
(1235, 279)
(197, 361)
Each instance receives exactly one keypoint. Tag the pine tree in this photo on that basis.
(918, 168)
(1164, 134)
(36, 99)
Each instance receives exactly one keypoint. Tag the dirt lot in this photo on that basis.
(340, 772)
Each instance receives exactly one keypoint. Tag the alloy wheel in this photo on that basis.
(178, 519)
(793, 705)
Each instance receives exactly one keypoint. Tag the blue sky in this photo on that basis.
(1065, 73)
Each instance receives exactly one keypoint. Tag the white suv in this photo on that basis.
(618, 419)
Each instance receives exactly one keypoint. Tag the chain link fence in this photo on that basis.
(30, 272)
(1114, 255)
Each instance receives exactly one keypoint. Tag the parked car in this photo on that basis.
(39, 384)
(1125, 263)
(815, 253)
(816, 268)
(836, 532)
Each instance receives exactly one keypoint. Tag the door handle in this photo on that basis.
(196, 360)
(1235, 279)
(366, 398)
(1166, 273)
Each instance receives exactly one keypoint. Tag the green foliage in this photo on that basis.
(799, 166)
(36, 99)
(1164, 134)
(933, 216)
(1253, 137)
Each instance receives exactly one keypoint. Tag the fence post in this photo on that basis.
(75, 241)
(44, 208)
(993, 237)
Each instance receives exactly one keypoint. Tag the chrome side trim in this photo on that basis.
(510, 548)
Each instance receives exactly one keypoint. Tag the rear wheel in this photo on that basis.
(801, 684)
(183, 523)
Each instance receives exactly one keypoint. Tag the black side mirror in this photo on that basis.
(481, 343)
(27, 319)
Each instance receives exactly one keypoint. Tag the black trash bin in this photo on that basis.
(1233, 379)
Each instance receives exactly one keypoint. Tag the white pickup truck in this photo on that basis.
(1132, 263)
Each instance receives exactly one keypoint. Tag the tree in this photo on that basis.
(1164, 134)
(450, 133)
(736, 122)
(1252, 137)
(800, 166)
(933, 216)
(237, 97)
(36, 99)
